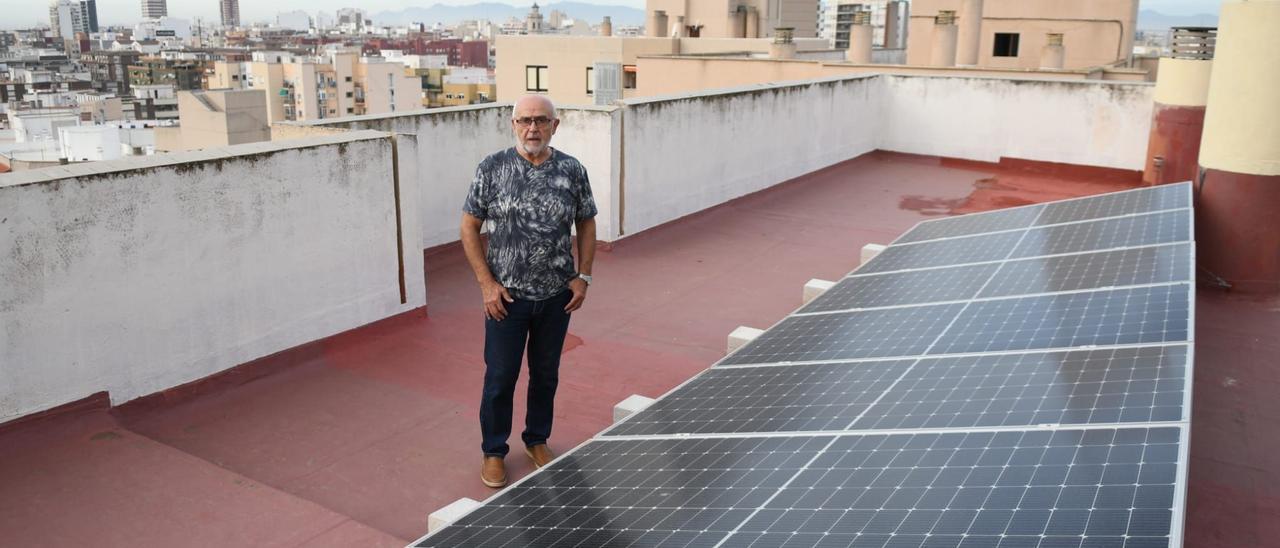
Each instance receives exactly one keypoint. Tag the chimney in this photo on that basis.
(969, 33)
(658, 24)
(678, 31)
(606, 27)
(753, 22)
(783, 47)
(1053, 55)
(860, 39)
(945, 34)
(1238, 183)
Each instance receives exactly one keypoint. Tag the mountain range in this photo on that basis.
(440, 13)
(1154, 20)
(624, 15)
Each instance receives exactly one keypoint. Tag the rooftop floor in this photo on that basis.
(353, 440)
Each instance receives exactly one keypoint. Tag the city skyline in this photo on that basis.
(128, 12)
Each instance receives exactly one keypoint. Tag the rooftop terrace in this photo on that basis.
(286, 367)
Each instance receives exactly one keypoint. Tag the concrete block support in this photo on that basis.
(870, 251)
(444, 516)
(740, 336)
(634, 403)
(813, 288)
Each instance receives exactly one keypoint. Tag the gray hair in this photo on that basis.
(542, 98)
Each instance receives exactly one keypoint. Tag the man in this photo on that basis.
(531, 194)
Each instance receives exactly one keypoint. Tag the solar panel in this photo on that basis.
(1154, 314)
(1136, 266)
(873, 333)
(1144, 200)
(900, 288)
(951, 227)
(1141, 230)
(1110, 385)
(1019, 378)
(768, 399)
(971, 249)
(1108, 486)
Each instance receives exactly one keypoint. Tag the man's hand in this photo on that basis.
(494, 296)
(579, 288)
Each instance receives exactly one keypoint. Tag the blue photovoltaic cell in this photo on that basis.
(1159, 198)
(972, 249)
(1137, 266)
(795, 398)
(1156, 314)
(901, 288)
(878, 333)
(1110, 385)
(1019, 488)
(995, 221)
(1139, 230)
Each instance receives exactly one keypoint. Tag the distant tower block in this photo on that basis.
(1177, 121)
(943, 52)
(969, 33)
(1237, 230)
(740, 336)
(813, 288)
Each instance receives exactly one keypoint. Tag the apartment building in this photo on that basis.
(311, 88)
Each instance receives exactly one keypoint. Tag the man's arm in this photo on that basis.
(493, 292)
(586, 256)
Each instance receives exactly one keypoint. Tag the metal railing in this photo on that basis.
(1192, 42)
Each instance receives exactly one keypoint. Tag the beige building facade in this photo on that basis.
(334, 85)
(1016, 34)
(562, 67)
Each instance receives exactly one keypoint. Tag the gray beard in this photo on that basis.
(535, 154)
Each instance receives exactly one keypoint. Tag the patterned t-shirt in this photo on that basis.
(530, 210)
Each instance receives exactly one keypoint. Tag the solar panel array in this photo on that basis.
(1017, 378)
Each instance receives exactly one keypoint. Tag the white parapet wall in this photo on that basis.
(684, 154)
(1089, 123)
(134, 276)
(452, 142)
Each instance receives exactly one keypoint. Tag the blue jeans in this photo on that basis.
(543, 324)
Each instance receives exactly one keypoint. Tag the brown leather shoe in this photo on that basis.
(494, 472)
(539, 454)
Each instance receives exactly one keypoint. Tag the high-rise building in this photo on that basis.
(154, 9)
(88, 15)
(230, 12)
(62, 16)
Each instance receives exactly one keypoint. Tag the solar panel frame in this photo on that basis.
(1165, 198)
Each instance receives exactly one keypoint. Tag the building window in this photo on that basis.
(350, 110)
(628, 77)
(348, 78)
(1006, 44)
(349, 94)
(591, 82)
(535, 78)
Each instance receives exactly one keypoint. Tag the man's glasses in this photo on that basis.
(526, 121)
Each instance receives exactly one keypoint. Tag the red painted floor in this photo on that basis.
(353, 440)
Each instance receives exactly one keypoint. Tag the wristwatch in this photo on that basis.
(585, 277)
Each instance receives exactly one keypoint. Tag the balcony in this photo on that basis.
(279, 343)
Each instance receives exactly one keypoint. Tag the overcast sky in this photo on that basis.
(27, 13)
